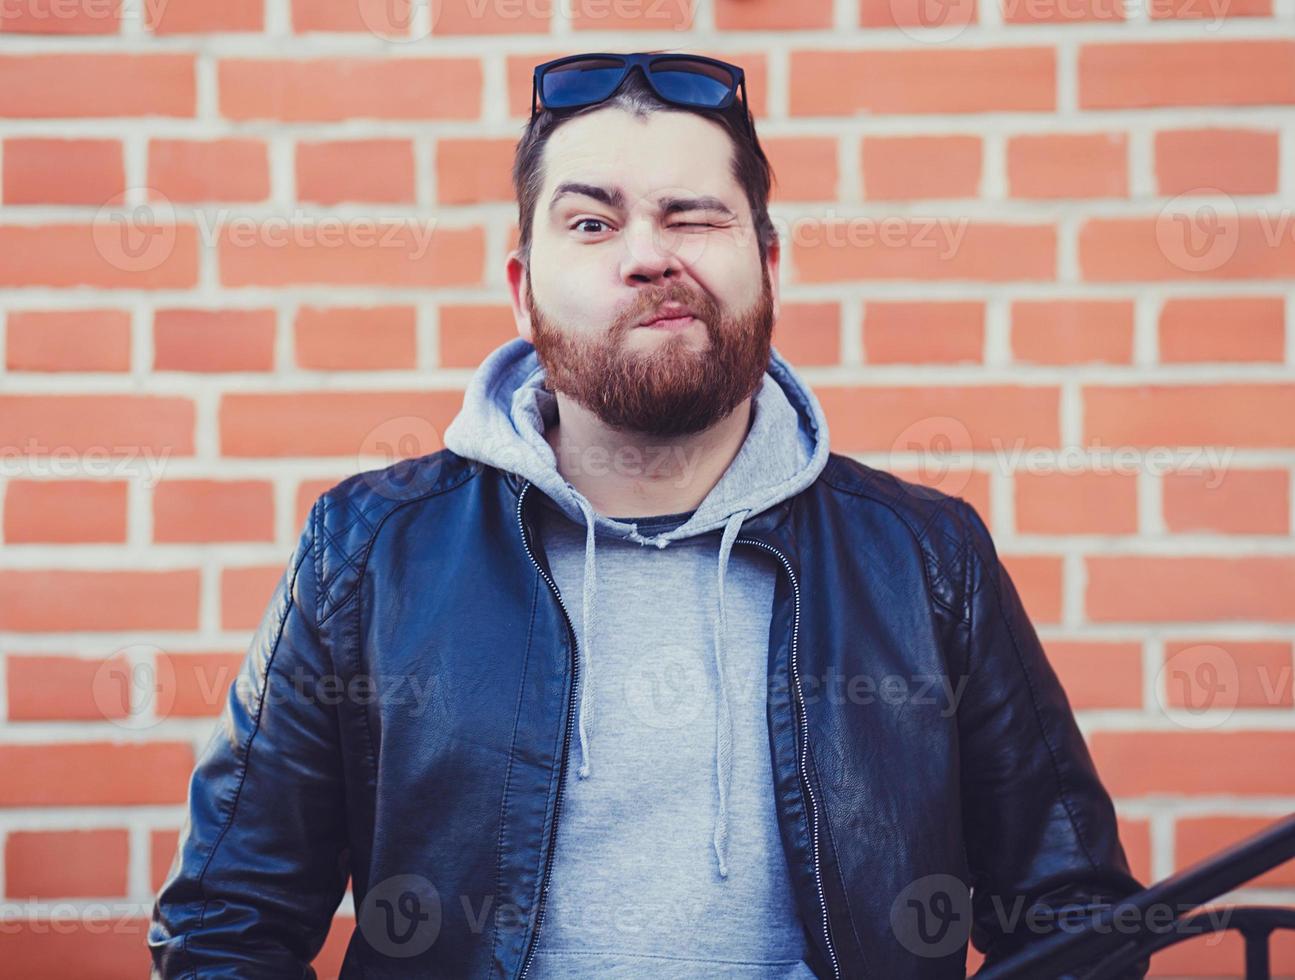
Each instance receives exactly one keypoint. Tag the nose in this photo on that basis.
(649, 255)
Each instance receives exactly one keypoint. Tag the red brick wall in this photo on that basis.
(1040, 253)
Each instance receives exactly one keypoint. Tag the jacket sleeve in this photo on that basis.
(262, 862)
(1039, 827)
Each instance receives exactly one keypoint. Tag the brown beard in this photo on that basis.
(674, 389)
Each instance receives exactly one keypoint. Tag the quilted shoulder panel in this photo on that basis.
(346, 517)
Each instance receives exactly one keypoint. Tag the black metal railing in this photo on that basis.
(1117, 937)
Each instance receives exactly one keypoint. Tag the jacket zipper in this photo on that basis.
(804, 740)
(566, 737)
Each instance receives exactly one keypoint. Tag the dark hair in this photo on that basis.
(751, 168)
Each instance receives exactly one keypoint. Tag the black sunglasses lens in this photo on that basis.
(580, 82)
(692, 82)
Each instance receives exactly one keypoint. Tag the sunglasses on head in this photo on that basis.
(679, 79)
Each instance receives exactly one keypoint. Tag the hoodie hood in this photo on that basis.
(506, 411)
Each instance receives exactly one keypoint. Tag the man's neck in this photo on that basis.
(625, 474)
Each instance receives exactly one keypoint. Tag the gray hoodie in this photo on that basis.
(646, 609)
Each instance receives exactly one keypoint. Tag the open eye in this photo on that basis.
(586, 221)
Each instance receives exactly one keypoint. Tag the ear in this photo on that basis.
(519, 286)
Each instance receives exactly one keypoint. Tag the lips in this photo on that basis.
(668, 312)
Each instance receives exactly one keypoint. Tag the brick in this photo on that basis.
(382, 18)
(1186, 73)
(62, 171)
(356, 170)
(1199, 9)
(66, 601)
(631, 15)
(462, 17)
(162, 848)
(941, 332)
(772, 15)
(1228, 674)
(470, 331)
(1074, 165)
(244, 595)
(68, 340)
(1038, 580)
(337, 88)
(192, 171)
(202, 680)
(56, 688)
(35, 86)
(45, 949)
(844, 83)
(1253, 415)
(946, 17)
(356, 338)
(329, 423)
(1235, 501)
(897, 247)
(205, 16)
(98, 423)
(474, 171)
(1098, 674)
(1135, 837)
(66, 864)
(1072, 331)
(57, 17)
(1224, 328)
(1198, 838)
(865, 419)
(905, 167)
(213, 340)
(809, 333)
(143, 256)
(804, 167)
(65, 512)
(354, 253)
(95, 774)
(1185, 243)
(204, 511)
(1061, 11)
(1135, 764)
(1076, 503)
(1234, 161)
(1149, 589)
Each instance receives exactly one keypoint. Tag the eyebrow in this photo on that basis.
(613, 198)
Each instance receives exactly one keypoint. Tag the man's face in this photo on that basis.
(657, 219)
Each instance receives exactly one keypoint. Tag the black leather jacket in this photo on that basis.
(403, 714)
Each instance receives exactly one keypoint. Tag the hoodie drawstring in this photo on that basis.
(586, 617)
(723, 710)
